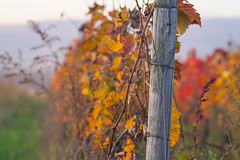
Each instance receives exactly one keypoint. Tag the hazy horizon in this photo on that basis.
(214, 33)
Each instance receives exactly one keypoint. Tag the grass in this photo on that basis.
(21, 124)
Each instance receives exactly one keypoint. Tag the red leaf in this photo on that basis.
(129, 44)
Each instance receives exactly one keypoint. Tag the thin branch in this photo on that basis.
(125, 103)
(229, 150)
(139, 101)
(128, 87)
(140, 15)
(116, 143)
(199, 114)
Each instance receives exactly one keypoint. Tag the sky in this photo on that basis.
(20, 11)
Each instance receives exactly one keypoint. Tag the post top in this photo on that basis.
(165, 3)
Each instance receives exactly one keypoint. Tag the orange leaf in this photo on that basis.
(76, 42)
(96, 110)
(130, 123)
(106, 142)
(119, 75)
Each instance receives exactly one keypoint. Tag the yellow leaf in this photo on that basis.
(97, 76)
(92, 124)
(107, 113)
(115, 46)
(116, 63)
(226, 74)
(129, 148)
(130, 123)
(85, 91)
(175, 127)
(106, 39)
(133, 56)
(108, 101)
(100, 92)
(96, 110)
(122, 94)
(119, 75)
(96, 66)
(102, 123)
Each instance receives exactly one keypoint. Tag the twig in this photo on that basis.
(228, 150)
(140, 15)
(199, 111)
(125, 103)
(139, 101)
(116, 143)
(128, 87)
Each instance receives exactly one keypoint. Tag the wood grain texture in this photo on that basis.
(161, 80)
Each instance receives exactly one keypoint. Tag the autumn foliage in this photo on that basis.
(214, 83)
(103, 84)
(101, 91)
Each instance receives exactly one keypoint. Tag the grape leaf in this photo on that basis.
(130, 123)
(175, 126)
(187, 15)
(116, 46)
(178, 45)
(108, 101)
(177, 70)
(129, 148)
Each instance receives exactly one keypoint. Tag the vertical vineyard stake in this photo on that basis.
(161, 79)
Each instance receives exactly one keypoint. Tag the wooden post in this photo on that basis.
(161, 79)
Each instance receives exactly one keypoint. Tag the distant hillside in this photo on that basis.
(14, 37)
(214, 33)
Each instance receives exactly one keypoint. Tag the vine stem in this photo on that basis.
(129, 84)
(116, 142)
(125, 103)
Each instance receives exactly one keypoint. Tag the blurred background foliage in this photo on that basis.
(31, 127)
(22, 123)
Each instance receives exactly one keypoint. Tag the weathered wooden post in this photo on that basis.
(161, 80)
